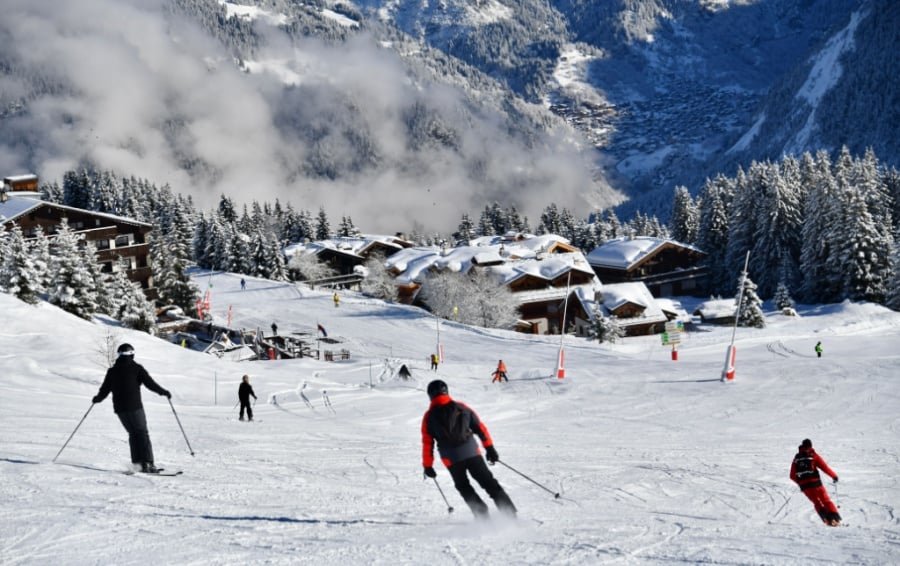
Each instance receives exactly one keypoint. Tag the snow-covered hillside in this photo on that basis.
(656, 460)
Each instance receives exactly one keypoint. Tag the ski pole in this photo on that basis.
(555, 494)
(836, 504)
(73, 432)
(449, 507)
(786, 501)
(191, 450)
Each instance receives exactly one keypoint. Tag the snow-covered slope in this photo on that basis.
(656, 461)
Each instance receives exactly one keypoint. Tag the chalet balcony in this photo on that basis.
(134, 250)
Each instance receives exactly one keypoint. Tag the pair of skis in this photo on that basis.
(160, 472)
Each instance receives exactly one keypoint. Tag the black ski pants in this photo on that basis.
(245, 404)
(477, 467)
(135, 422)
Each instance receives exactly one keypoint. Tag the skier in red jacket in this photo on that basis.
(805, 473)
(454, 427)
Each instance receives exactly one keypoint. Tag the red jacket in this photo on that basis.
(451, 454)
(805, 469)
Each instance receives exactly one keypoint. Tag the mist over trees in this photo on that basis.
(820, 229)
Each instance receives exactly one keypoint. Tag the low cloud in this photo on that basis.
(124, 86)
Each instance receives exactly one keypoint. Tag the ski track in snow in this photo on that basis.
(657, 462)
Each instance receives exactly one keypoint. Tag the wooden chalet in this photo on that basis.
(20, 183)
(634, 307)
(665, 266)
(345, 254)
(537, 269)
(114, 236)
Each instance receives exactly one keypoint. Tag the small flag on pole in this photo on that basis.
(322, 330)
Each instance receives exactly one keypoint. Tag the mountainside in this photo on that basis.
(410, 111)
(662, 88)
(845, 93)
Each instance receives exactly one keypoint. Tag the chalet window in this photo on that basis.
(106, 267)
(122, 241)
(102, 244)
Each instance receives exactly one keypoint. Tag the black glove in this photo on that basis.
(835, 480)
(430, 473)
(166, 394)
(492, 455)
(96, 399)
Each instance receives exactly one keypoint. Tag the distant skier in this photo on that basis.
(404, 372)
(243, 283)
(434, 361)
(124, 381)
(500, 373)
(805, 473)
(819, 349)
(274, 329)
(245, 390)
(337, 300)
(454, 426)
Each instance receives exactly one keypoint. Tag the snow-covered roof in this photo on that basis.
(674, 307)
(349, 246)
(716, 308)
(622, 253)
(507, 260)
(617, 294)
(17, 178)
(15, 206)
(549, 268)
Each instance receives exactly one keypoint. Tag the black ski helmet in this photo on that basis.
(807, 443)
(437, 387)
(126, 350)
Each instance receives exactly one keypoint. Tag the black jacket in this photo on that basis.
(124, 381)
(244, 393)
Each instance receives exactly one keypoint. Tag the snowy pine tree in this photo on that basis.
(606, 328)
(465, 232)
(18, 274)
(750, 311)
(323, 228)
(893, 298)
(863, 252)
(715, 205)
(818, 234)
(72, 287)
(685, 222)
(131, 307)
(170, 278)
(782, 298)
(777, 225)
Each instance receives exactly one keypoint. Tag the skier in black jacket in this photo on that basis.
(124, 381)
(245, 390)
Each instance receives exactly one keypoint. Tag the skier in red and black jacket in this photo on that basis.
(453, 425)
(805, 473)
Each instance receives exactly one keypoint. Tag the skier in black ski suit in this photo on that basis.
(245, 390)
(124, 381)
(454, 426)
